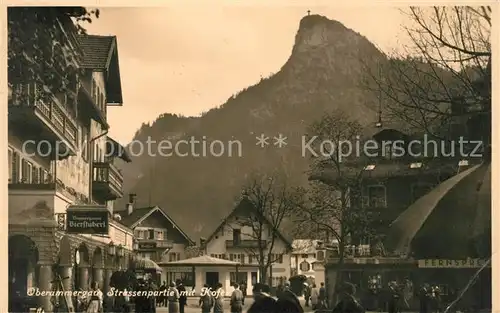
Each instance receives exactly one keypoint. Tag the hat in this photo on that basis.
(287, 283)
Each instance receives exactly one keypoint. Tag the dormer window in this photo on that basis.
(416, 165)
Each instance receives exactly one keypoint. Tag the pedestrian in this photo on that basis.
(437, 299)
(307, 294)
(206, 300)
(95, 300)
(173, 298)
(424, 298)
(219, 299)
(393, 305)
(348, 304)
(322, 297)
(243, 288)
(236, 302)
(182, 296)
(162, 299)
(314, 296)
(263, 302)
(288, 301)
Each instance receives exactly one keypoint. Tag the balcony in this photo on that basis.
(245, 244)
(107, 181)
(153, 244)
(39, 119)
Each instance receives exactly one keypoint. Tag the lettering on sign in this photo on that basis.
(439, 263)
(87, 220)
(147, 245)
(178, 269)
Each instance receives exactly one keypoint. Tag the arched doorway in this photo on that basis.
(82, 265)
(23, 269)
(97, 267)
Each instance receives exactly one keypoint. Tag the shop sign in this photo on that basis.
(178, 269)
(444, 263)
(87, 220)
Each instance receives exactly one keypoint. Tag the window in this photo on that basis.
(84, 144)
(320, 255)
(174, 256)
(304, 256)
(236, 236)
(376, 196)
(242, 277)
(94, 89)
(419, 189)
(44, 176)
(15, 167)
(26, 171)
(151, 234)
(160, 235)
(250, 259)
(11, 164)
(36, 175)
(276, 258)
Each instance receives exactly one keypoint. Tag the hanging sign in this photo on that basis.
(87, 220)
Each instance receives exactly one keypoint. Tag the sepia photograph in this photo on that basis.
(249, 158)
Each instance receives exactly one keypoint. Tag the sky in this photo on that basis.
(187, 59)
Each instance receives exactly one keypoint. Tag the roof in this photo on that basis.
(234, 212)
(114, 148)
(140, 214)
(97, 51)
(455, 201)
(202, 260)
(100, 53)
(304, 246)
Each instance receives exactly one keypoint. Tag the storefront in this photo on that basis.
(202, 270)
(40, 252)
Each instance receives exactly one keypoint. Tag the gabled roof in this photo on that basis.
(100, 53)
(141, 214)
(234, 212)
(97, 51)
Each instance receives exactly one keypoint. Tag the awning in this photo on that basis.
(141, 263)
(447, 222)
(114, 148)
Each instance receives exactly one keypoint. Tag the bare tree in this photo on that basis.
(443, 77)
(334, 207)
(271, 201)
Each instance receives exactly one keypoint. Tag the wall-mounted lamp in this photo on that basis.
(120, 251)
(111, 248)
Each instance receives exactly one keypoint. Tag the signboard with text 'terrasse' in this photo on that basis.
(87, 220)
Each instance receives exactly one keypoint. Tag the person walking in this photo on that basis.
(288, 301)
(393, 305)
(314, 296)
(322, 297)
(347, 303)
(307, 294)
(182, 296)
(236, 302)
(95, 300)
(162, 299)
(243, 288)
(424, 299)
(219, 300)
(263, 302)
(173, 298)
(206, 300)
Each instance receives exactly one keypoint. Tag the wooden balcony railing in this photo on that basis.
(26, 103)
(245, 243)
(107, 181)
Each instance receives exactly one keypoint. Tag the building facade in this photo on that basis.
(58, 160)
(157, 238)
(389, 184)
(235, 240)
(307, 258)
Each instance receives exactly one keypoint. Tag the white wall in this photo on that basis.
(217, 246)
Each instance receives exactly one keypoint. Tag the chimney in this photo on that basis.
(130, 204)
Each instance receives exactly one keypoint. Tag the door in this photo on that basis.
(212, 279)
